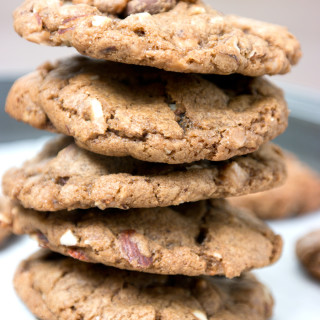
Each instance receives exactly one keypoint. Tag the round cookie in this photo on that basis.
(55, 287)
(149, 114)
(64, 176)
(299, 194)
(308, 252)
(181, 36)
(206, 237)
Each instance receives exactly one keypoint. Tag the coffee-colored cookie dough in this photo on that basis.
(168, 34)
(4, 235)
(4, 231)
(58, 288)
(308, 252)
(206, 237)
(64, 176)
(300, 194)
(149, 114)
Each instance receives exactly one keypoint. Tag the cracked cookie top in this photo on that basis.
(55, 287)
(201, 238)
(149, 114)
(181, 36)
(64, 176)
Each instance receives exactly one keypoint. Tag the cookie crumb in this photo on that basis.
(96, 109)
(217, 255)
(217, 19)
(197, 10)
(98, 21)
(199, 315)
(236, 174)
(68, 239)
(97, 115)
(4, 221)
(142, 16)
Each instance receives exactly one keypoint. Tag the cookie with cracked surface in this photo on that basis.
(55, 287)
(300, 194)
(181, 36)
(149, 114)
(308, 252)
(64, 176)
(206, 237)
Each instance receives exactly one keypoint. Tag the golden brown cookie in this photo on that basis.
(149, 114)
(64, 176)
(4, 235)
(55, 287)
(182, 36)
(300, 194)
(308, 252)
(206, 237)
(4, 231)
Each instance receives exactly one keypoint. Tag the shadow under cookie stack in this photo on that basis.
(131, 195)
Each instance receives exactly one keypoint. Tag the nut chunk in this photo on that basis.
(131, 249)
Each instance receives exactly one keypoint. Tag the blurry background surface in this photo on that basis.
(301, 17)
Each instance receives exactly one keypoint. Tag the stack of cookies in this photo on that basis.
(131, 194)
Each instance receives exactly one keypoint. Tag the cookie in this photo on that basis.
(149, 114)
(206, 237)
(308, 252)
(55, 287)
(4, 232)
(299, 195)
(181, 36)
(64, 176)
(4, 235)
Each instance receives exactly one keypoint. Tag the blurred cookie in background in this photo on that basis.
(308, 252)
(300, 194)
(4, 235)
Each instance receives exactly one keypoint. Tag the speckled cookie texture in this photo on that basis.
(182, 36)
(149, 114)
(4, 231)
(308, 252)
(299, 195)
(55, 287)
(64, 176)
(206, 237)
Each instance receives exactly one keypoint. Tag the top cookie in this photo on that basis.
(149, 114)
(182, 36)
